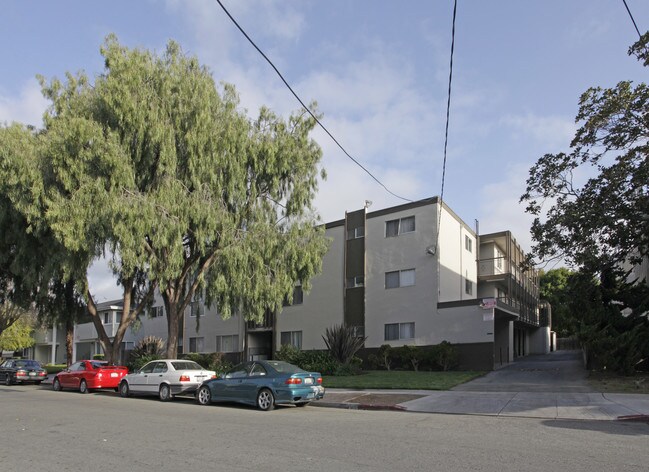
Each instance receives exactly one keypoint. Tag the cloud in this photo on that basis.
(27, 108)
(550, 130)
(501, 210)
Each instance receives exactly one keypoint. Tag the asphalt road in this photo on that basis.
(42, 430)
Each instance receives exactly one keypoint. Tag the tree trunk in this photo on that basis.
(69, 341)
(170, 297)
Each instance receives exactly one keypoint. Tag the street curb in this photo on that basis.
(638, 418)
(360, 406)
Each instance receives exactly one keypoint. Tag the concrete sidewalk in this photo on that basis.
(559, 405)
(546, 386)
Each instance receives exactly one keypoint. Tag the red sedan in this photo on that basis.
(88, 375)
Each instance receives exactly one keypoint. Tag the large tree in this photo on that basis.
(605, 221)
(591, 208)
(190, 196)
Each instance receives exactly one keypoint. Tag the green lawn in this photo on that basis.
(401, 380)
(607, 382)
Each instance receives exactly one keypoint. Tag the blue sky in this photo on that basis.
(378, 70)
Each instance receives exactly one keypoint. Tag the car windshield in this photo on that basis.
(28, 364)
(186, 365)
(285, 367)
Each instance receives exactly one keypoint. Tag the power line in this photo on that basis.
(632, 19)
(448, 114)
(304, 106)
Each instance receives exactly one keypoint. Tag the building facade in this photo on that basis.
(411, 274)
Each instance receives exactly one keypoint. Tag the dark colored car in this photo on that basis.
(22, 371)
(88, 375)
(264, 384)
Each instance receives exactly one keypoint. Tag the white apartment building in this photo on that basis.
(410, 274)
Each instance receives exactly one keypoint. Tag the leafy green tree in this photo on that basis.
(604, 222)
(18, 336)
(189, 195)
(554, 287)
(9, 314)
(602, 226)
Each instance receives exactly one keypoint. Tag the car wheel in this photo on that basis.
(204, 395)
(83, 386)
(265, 400)
(165, 393)
(56, 385)
(302, 404)
(123, 389)
(8, 380)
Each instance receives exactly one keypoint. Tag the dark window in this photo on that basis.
(400, 226)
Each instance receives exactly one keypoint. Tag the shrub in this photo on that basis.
(410, 356)
(312, 361)
(211, 361)
(444, 356)
(342, 342)
(98, 357)
(147, 349)
(384, 356)
(55, 368)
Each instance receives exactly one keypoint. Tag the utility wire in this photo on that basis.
(448, 114)
(632, 19)
(304, 106)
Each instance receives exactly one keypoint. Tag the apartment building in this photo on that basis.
(410, 274)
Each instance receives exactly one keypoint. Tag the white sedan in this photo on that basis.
(165, 378)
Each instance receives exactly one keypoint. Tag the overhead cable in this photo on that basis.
(305, 107)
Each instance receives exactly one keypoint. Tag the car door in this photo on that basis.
(137, 382)
(66, 376)
(157, 376)
(229, 387)
(251, 384)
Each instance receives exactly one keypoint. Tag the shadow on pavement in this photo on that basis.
(616, 428)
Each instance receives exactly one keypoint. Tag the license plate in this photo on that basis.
(32, 374)
(310, 395)
(308, 381)
(114, 374)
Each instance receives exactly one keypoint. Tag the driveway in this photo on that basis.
(557, 372)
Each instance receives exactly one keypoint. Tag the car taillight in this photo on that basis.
(214, 376)
(42, 374)
(319, 380)
(293, 381)
(21, 372)
(184, 378)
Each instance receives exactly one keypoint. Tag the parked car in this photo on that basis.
(264, 384)
(89, 375)
(22, 370)
(165, 378)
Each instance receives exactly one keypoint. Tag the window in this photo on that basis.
(468, 243)
(156, 312)
(229, 343)
(298, 295)
(359, 331)
(108, 319)
(195, 309)
(128, 345)
(357, 281)
(160, 368)
(297, 299)
(118, 317)
(400, 278)
(396, 331)
(293, 338)
(499, 259)
(196, 344)
(468, 286)
(258, 369)
(356, 233)
(400, 226)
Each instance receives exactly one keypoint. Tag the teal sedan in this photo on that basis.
(263, 384)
